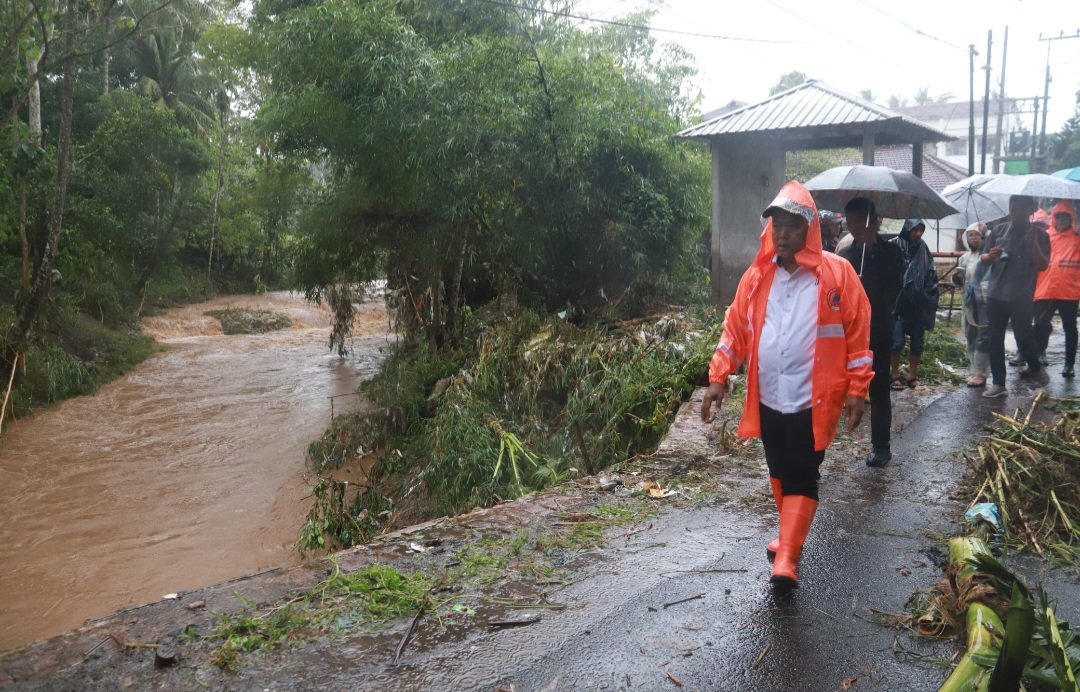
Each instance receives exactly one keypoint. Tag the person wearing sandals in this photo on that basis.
(970, 275)
(880, 268)
(1057, 288)
(1013, 254)
(916, 306)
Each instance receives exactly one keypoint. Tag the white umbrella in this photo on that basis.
(974, 204)
(1031, 185)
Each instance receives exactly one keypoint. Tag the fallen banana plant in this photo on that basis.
(1028, 644)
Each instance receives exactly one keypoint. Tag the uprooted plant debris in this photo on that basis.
(1028, 470)
(527, 402)
(1032, 471)
(1011, 631)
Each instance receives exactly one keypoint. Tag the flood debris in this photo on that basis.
(165, 657)
(518, 622)
(684, 600)
(1031, 470)
(424, 603)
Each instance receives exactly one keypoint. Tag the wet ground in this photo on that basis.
(675, 600)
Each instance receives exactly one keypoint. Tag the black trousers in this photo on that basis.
(880, 396)
(1020, 312)
(1044, 312)
(788, 439)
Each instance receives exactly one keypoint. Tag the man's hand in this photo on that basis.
(715, 393)
(853, 409)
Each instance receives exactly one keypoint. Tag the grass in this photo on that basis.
(81, 355)
(379, 593)
(376, 593)
(241, 321)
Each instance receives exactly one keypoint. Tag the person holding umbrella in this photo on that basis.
(1057, 288)
(879, 266)
(801, 322)
(1015, 252)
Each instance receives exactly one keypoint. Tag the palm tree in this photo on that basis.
(170, 74)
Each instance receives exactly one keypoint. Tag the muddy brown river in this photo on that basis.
(185, 472)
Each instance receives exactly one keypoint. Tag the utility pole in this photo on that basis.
(986, 99)
(999, 149)
(971, 108)
(1034, 135)
(1046, 90)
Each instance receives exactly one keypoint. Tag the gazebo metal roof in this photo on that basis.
(813, 115)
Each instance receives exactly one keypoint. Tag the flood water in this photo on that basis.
(185, 472)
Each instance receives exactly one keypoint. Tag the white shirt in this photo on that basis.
(786, 348)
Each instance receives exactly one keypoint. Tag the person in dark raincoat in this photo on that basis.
(881, 270)
(916, 306)
(1014, 252)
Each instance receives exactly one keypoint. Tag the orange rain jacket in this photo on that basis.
(1061, 280)
(842, 358)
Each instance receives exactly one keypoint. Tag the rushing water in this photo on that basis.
(185, 472)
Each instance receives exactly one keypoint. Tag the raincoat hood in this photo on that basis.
(910, 225)
(980, 227)
(796, 199)
(1065, 207)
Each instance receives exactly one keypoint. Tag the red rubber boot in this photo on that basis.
(795, 518)
(778, 495)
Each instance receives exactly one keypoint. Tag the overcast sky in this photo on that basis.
(888, 47)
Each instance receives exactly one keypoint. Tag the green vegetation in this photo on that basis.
(378, 592)
(535, 401)
(239, 321)
(80, 356)
(944, 358)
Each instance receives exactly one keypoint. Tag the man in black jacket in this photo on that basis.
(881, 268)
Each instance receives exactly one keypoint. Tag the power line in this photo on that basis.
(643, 27)
(916, 29)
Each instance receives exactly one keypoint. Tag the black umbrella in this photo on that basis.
(895, 194)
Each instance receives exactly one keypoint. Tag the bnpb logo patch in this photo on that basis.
(833, 298)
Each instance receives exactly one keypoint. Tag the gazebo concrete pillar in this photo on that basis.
(916, 159)
(714, 237)
(868, 147)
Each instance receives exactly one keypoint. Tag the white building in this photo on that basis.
(1012, 143)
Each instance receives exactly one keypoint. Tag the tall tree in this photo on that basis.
(788, 81)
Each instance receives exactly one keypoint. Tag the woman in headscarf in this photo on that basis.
(916, 307)
(970, 276)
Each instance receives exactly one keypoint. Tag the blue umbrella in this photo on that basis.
(1068, 173)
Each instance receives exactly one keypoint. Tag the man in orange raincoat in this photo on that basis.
(1057, 288)
(801, 321)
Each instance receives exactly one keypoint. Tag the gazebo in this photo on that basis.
(749, 148)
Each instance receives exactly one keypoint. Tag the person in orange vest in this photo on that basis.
(801, 321)
(1057, 288)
